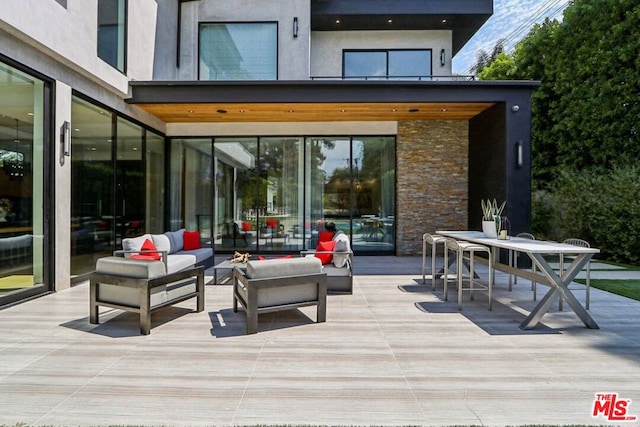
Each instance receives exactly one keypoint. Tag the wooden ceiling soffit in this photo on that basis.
(312, 112)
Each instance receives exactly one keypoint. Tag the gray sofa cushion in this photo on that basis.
(138, 269)
(283, 267)
(201, 254)
(176, 238)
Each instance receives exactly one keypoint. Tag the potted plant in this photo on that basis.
(491, 217)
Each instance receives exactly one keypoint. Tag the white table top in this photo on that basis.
(518, 244)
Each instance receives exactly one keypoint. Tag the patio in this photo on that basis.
(393, 353)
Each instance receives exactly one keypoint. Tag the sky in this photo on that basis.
(512, 20)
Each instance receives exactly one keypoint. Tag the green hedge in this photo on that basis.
(600, 207)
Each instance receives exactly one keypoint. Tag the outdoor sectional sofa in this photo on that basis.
(171, 246)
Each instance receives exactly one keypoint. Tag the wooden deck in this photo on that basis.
(393, 353)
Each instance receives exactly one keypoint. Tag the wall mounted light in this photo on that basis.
(515, 108)
(519, 154)
(295, 27)
(442, 57)
(65, 141)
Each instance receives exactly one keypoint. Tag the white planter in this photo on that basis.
(489, 229)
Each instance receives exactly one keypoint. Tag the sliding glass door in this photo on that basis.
(274, 194)
(23, 113)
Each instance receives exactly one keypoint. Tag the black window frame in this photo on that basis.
(203, 23)
(125, 43)
(386, 52)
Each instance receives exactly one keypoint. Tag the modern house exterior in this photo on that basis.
(252, 122)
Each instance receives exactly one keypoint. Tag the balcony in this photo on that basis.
(462, 17)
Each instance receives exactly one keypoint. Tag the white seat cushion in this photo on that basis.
(134, 268)
(283, 267)
(177, 262)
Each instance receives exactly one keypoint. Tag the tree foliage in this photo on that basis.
(485, 59)
(585, 113)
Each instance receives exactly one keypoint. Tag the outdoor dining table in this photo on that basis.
(537, 250)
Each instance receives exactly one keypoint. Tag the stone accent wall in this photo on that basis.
(432, 180)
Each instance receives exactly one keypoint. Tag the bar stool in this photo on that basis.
(513, 261)
(433, 240)
(461, 248)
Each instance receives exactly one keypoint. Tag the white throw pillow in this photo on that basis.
(342, 245)
(134, 244)
(161, 242)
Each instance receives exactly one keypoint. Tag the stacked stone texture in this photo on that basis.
(432, 174)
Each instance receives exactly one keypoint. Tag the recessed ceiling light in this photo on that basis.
(389, 21)
(29, 114)
(221, 111)
(241, 111)
(191, 111)
(337, 21)
(444, 110)
(291, 111)
(394, 110)
(343, 111)
(444, 21)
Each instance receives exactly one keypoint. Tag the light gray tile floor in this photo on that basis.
(393, 353)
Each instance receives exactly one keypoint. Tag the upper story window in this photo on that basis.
(112, 32)
(386, 64)
(238, 51)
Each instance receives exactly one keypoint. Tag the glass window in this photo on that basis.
(155, 164)
(130, 181)
(22, 184)
(190, 185)
(352, 183)
(239, 193)
(117, 183)
(281, 223)
(238, 51)
(365, 65)
(394, 64)
(93, 218)
(274, 194)
(112, 32)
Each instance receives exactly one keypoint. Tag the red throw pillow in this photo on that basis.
(191, 240)
(325, 236)
(148, 246)
(145, 257)
(246, 226)
(327, 246)
(272, 223)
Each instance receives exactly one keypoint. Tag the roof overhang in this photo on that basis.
(462, 17)
(321, 101)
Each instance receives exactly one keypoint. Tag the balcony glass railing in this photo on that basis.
(398, 78)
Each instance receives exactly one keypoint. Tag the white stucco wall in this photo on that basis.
(327, 47)
(70, 36)
(293, 53)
